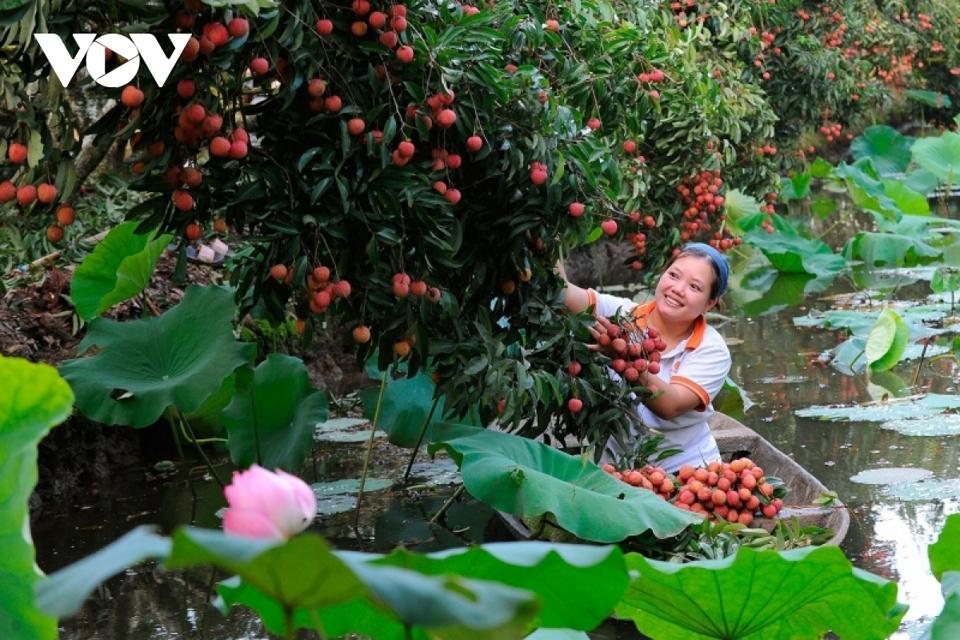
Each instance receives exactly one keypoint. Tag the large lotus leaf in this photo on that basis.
(766, 291)
(144, 366)
(757, 595)
(118, 269)
(273, 415)
(301, 573)
(939, 155)
(796, 188)
(33, 399)
(866, 188)
(885, 146)
(944, 554)
(886, 341)
(399, 604)
(62, 593)
(922, 181)
(907, 200)
(924, 407)
(578, 585)
(889, 249)
(789, 252)
(527, 478)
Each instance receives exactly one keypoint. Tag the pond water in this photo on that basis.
(776, 362)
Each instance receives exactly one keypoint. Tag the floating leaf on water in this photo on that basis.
(432, 473)
(782, 379)
(345, 430)
(891, 475)
(925, 491)
(938, 425)
(341, 495)
(932, 404)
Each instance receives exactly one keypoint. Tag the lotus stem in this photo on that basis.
(916, 374)
(423, 431)
(185, 426)
(446, 505)
(366, 455)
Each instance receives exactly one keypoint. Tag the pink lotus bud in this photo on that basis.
(266, 504)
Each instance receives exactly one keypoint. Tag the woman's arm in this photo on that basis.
(574, 297)
(671, 400)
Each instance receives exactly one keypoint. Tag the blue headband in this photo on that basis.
(718, 259)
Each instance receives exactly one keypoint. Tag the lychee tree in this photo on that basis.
(410, 173)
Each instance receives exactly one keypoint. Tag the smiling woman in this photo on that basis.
(694, 363)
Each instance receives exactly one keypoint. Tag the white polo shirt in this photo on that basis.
(700, 363)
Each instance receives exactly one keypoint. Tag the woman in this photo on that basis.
(696, 360)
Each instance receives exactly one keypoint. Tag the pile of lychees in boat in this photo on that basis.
(734, 491)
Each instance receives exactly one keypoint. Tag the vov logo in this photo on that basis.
(133, 48)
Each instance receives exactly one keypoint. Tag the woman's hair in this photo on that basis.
(697, 250)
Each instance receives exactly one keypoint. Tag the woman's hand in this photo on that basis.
(601, 328)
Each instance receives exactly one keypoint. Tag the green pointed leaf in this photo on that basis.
(944, 554)
(274, 414)
(118, 269)
(756, 595)
(889, 249)
(529, 479)
(32, 401)
(796, 188)
(945, 280)
(821, 169)
(886, 341)
(63, 593)
(144, 366)
(939, 155)
(594, 578)
(885, 146)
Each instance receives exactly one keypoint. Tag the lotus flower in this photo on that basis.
(268, 505)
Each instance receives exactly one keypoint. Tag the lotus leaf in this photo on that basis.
(926, 406)
(594, 578)
(939, 155)
(891, 475)
(789, 252)
(885, 146)
(929, 490)
(144, 366)
(118, 269)
(886, 341)
(557, 634)
(756, 595)
(888, 249)
(944, 554)
(737, 206)
(527, 478)
(934, 99)
(946, 626)
(405, 407)
(34, 399)
(274, 414)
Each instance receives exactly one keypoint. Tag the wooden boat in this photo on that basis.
(734, 438)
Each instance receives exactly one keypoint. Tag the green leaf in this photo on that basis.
(593, 578)
(406, 405)
(756, 595)
(933, 99)
(945, 280)
(797, 187)
(63, 593)
(889, 249)
(886, 341)
(34, 399)
(823, 207)
(944, 554)
(927, 406)
(820, 168)
(118, 269)
(885, 146)
(529, 479)
(939, 155)
(273, 415)
(35, 149)
(789, 252)
(946, 626)
(142, 367)
(738, 205)
(906, 199)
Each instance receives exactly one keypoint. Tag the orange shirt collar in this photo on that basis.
(641, 311)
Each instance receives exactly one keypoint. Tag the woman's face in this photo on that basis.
(683, 291)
